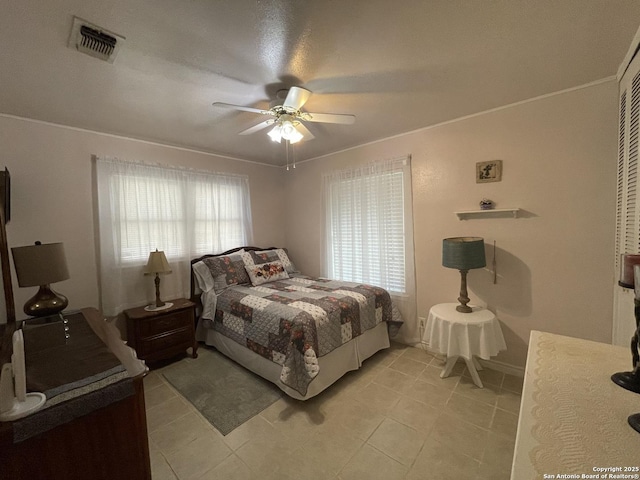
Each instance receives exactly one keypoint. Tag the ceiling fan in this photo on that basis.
(287, 116)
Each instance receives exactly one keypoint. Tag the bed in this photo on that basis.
(298, 332)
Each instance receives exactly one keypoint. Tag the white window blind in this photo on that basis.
(365, 225)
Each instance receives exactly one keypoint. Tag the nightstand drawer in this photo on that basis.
(165, 323)
(169, 340)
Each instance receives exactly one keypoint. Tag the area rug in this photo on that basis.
(225, 393)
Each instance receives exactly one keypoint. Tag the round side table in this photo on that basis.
(467, 335)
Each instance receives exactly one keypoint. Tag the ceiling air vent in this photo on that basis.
(95, 41)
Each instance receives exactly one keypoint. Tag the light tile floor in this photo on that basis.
(393, 419)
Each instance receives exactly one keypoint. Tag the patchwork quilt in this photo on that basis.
(295, 321)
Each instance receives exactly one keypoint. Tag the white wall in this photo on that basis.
(555, 264)
(52, 194)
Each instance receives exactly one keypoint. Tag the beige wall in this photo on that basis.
(555, 263)
(52, 194)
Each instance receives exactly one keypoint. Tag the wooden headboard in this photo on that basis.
(196, 298)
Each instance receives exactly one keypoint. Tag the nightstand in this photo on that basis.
(156, 335)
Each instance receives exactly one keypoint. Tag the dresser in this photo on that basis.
(93, 424)
(161, 334)
(573, 418)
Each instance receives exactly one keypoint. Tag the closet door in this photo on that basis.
(628, 196)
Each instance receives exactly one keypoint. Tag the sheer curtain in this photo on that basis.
(369, 233)
(184, 213)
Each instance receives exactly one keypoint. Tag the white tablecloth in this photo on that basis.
(454, 333)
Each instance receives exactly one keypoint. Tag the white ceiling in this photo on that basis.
(397, 65)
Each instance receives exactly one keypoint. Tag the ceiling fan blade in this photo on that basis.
(296, 98)
(257, 128)
(307, 135)
(240, 107)
(342, 118)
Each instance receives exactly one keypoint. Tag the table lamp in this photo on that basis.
(157, 264)
(463, 253)
(41, 265)
(630, 278)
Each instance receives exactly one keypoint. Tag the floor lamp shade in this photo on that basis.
(464, 254)
(41, 265)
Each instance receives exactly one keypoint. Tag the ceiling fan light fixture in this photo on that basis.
(294, 136)
(276, 133)
(288, 129)
(288, 118)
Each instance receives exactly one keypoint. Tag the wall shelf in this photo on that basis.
(494, 213)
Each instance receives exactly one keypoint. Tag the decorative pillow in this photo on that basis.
(279, 254)
(266, 272)
(227, 270)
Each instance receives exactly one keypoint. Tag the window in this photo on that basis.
(181, 212)
(150, 212)
(366, 225)
(184, 213)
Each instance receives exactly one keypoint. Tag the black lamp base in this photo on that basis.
(628, 380)
(634, 421)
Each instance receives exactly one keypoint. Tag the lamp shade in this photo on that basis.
(463, 253)
(40, 264)
(627, 263)
(157, 263)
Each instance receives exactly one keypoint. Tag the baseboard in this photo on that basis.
(503, 367)
(490, 364)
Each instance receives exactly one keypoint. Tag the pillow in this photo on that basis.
(202, 274)
(266, 272)
(279, 254)
(227, 270)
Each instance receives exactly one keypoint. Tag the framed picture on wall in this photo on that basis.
(489, 171)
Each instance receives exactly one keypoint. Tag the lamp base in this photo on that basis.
(464, 308)
(628, 380)
(634, 421)
(46, 302)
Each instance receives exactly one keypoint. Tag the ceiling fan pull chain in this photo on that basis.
(286, 146)
(293, 154)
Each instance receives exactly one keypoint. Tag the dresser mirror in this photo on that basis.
(8, 313)
(7, 306)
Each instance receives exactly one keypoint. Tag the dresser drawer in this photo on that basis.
(150, 327)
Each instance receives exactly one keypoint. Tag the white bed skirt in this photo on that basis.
(334, 365)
